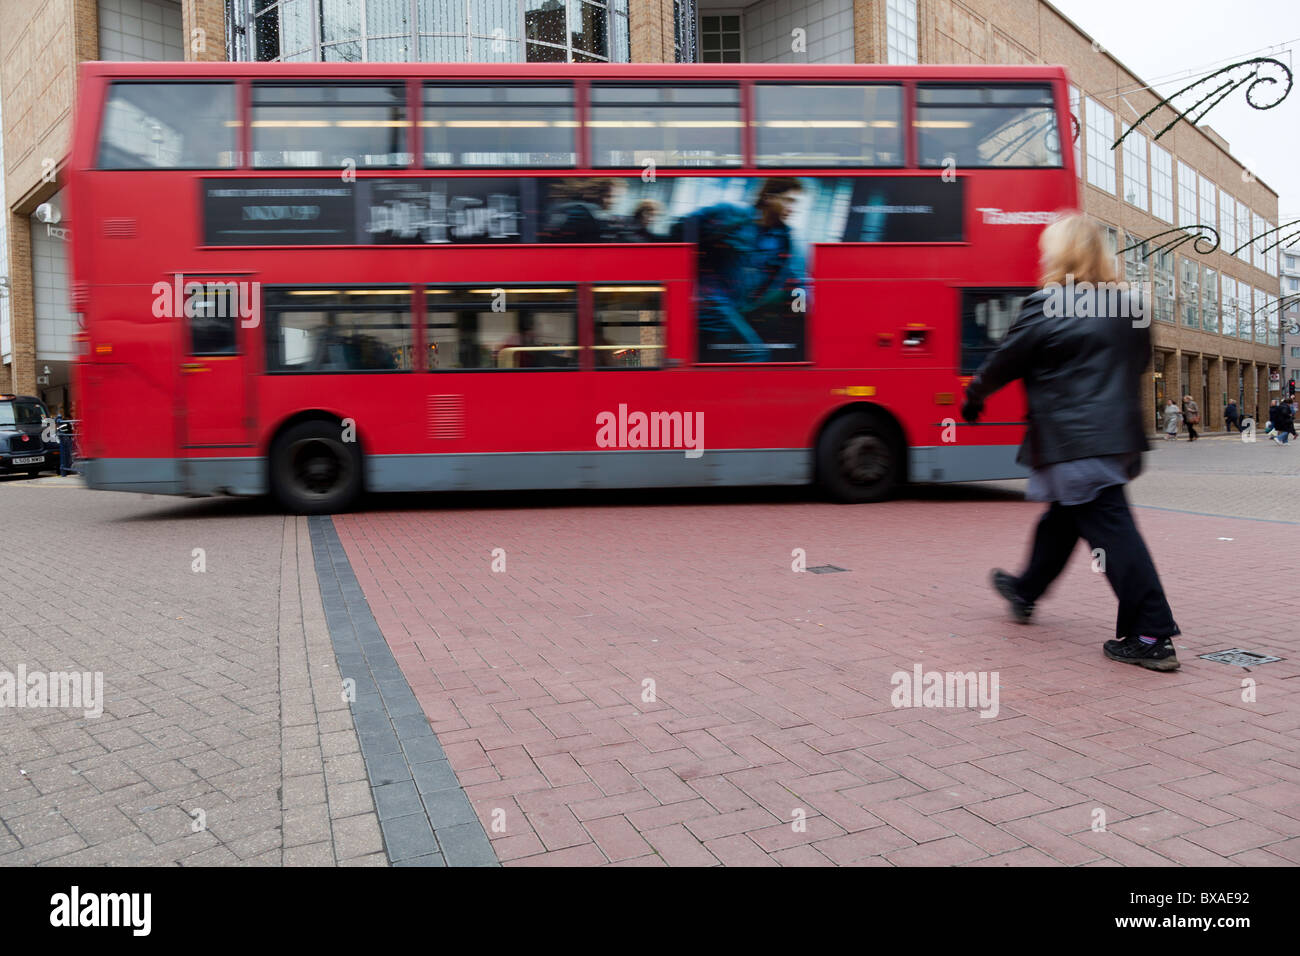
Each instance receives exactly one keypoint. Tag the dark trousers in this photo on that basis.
(1107, 523)
(1191, 431)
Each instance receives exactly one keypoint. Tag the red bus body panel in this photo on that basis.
(143, 405)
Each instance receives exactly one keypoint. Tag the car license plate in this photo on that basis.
(39, 460)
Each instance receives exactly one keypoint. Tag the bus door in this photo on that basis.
(220, 321)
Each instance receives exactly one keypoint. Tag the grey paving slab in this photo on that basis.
(416, 813)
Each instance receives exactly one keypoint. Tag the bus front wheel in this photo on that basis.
(313, 470)
(860, 458)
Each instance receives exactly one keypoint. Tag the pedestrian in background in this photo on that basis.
(1191, 416)
(1283, 420)
(1231, 418)
(1172, 414)
(1077, 372)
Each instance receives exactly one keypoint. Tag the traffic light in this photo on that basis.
(1290, 387)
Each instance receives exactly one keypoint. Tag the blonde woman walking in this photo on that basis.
(1085, 437)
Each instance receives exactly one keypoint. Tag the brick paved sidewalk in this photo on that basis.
(224, 738)
(770, 737)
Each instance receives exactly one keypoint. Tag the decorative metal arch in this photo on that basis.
(1179, 236)
(1218, 93)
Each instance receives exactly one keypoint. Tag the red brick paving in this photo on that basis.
(772, 689)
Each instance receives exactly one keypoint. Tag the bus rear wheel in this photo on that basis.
(860, 458)
(313, 470)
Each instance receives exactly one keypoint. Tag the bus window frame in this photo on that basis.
(579, 122)
(749, 107)
(251, 105)
(416, 295)
(240, 129)
(745, 160)
(1054, 106)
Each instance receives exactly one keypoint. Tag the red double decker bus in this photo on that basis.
(311, 279)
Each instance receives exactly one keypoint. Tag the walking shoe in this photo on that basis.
(1005, 585)
(1159, 656)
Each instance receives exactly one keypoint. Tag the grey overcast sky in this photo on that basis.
(1168, 43)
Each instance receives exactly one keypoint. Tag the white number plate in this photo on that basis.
(39, 460)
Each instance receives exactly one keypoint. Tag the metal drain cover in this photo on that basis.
(1239, 658)
(825, 569)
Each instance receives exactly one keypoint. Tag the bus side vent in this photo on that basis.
(446, 416)
(119, 228)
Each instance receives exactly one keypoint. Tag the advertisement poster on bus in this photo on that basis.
(754, 234)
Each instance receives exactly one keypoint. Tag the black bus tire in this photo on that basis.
(313, 470)
(860, 458)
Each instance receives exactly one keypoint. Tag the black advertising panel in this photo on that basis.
(905, 209)
(288, 212)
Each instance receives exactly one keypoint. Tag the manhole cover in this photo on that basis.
(825, 569)
(1240, 658)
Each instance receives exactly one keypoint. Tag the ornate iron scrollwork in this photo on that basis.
(1219, 92)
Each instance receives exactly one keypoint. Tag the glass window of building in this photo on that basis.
(1261, 316)
(171, 125)
(1189, 292)
(720, 39)
(1244, 309)
(1244, 233)
(325, 331)
(1101, 158)
(1162, 278)
(1227, 223)
(839, 125)
(1112, 243)
(1076, 128)
(494, 125)
(1137, 269)
(987, 126)
(695, 125)
(1135, 171)
(1162, 184)
(1229, 306)
(1209, 300)
(536, 329)
(1187, 195)
(485, 31)
(319, 125)
(900, 31)
(1209, 204)
(1292, 263)
(1274, 319)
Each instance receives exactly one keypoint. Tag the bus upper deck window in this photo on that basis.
(465, 124)
(689, 125)
(828, 124)
(329, 125)
(987, 126)
(170, 125)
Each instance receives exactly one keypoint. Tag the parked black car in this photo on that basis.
(22, 446)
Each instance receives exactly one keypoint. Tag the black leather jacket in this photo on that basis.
(1083, 377)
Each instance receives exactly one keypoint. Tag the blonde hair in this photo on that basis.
(1075, 246)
